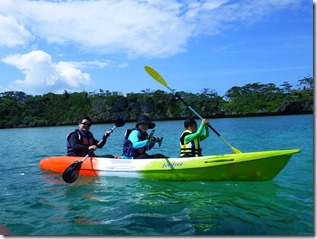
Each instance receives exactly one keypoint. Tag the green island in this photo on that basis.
(18, 109)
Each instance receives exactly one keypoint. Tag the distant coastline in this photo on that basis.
(18, 109)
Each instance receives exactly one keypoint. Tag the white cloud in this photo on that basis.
(12, 33)
(137, 28)
(43, 75)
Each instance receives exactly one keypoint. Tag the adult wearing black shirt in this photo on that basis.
(81, 141)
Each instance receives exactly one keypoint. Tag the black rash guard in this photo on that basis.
(81, 149)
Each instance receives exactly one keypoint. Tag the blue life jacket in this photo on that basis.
(128, 150)
(85, 138)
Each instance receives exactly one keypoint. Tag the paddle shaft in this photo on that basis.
(194, 111)
(160, 79)
(86, 156)
(111, 130)
(199, 116)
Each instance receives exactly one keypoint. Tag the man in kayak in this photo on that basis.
(82, 141)
(137, 141)
(191, 137)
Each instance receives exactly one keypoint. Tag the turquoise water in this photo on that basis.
(34, 202)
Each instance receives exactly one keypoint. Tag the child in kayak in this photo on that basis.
(191, 137)
(137, 140)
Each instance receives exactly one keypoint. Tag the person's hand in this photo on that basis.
(92, 147)
(156, 139)
(107, 134)
(205, 122)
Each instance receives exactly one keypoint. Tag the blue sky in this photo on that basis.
(52, 46)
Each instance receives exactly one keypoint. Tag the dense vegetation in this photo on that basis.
(17, 109)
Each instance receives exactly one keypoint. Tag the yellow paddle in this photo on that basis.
(160, 79)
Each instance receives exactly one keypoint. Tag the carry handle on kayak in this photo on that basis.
(160, 79)
(71, 173)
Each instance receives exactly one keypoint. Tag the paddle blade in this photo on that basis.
(160, 142)
(150, 137)
(236, 151)
(155, 75)
(120, 121)
(70, 174)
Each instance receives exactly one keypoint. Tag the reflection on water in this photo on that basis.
(141, 207)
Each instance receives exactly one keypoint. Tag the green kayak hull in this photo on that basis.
(254, 166)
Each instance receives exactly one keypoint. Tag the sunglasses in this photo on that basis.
(85, 123)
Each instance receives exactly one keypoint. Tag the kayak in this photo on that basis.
(250, 166)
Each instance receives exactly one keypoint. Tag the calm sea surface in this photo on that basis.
(34, 202)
